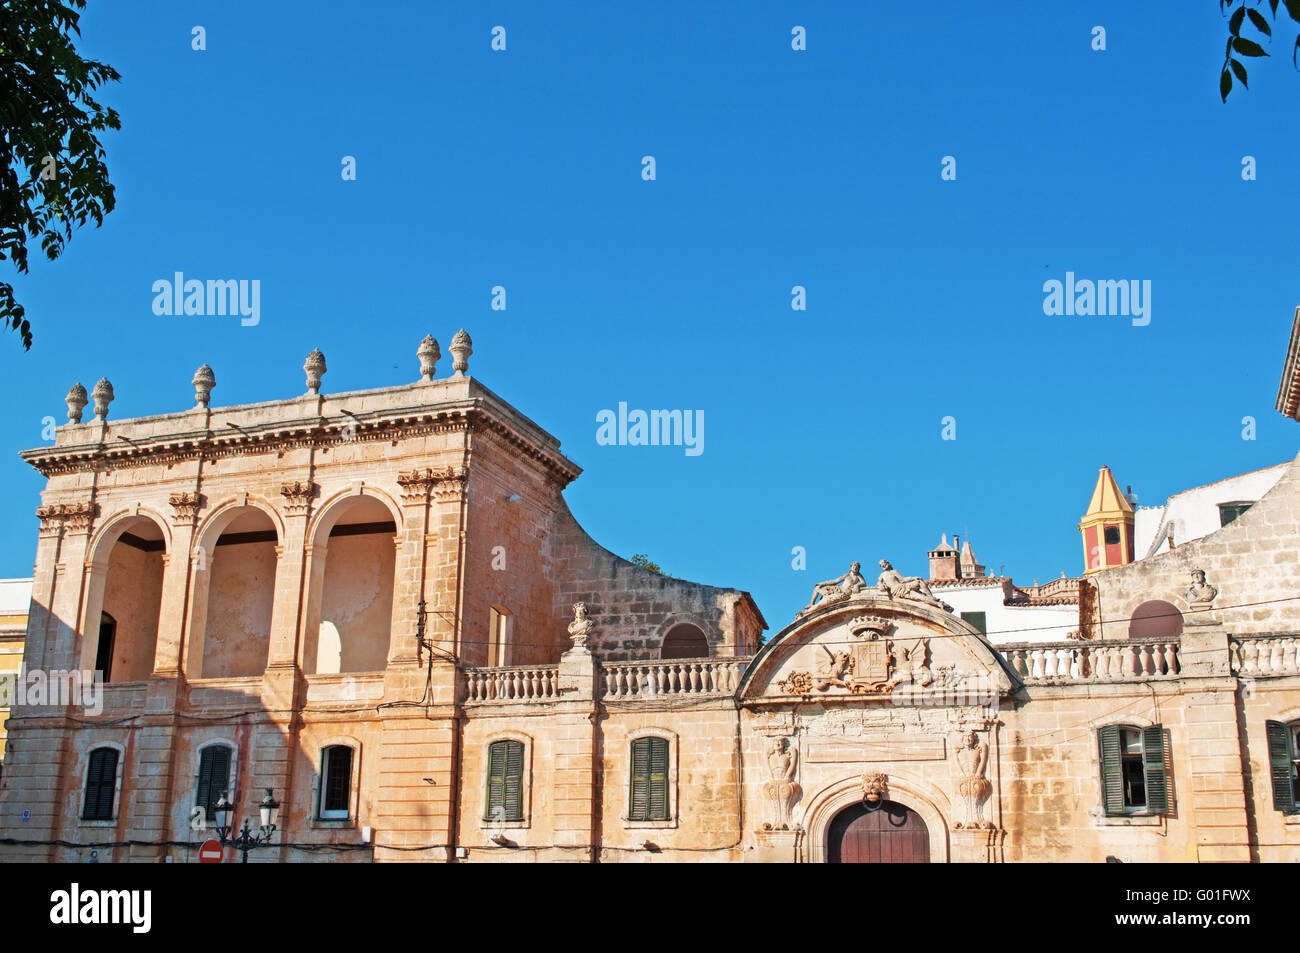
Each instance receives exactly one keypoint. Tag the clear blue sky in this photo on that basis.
(775, 168)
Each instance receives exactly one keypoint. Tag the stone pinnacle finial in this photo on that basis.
(76, 401)
(315, 367)
(428, 354)
(103, 396)
(204, 381)
(461, 348)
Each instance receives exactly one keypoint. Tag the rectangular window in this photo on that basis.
(101, 785)
(649, 795)
(977, 619)
(336, 783)
(214, 780)
(104, 650)
(1284, 765)
(505, 795)
(1133, 775)
(1230, 511)
(498, 637)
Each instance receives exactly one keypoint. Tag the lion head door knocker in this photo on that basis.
(875, 790)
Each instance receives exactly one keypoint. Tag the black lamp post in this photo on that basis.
(246, 840)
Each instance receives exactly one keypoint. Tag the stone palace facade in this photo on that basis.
(377, 605)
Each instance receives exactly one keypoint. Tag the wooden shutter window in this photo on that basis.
(1112, 770)
(1280, 766)
(1153, 766)
(101, 782)
(649, 796)
(505, 797)
(214, 779)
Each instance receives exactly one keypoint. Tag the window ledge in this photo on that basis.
(487, 823)
(1291, 820)
(112, 823)
(1131, 820)
(649, 825)
(333, 822)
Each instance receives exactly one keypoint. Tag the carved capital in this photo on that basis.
(298, 496)
(73, 517)
(185, 507)
(441, 483)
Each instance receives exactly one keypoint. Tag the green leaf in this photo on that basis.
(1234, 23)
(1293, 8)
(1261, 24)
(1225, 85)
(1240, 71)
(1247, 47)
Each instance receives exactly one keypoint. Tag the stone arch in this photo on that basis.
(125, 568)
(684, 639)
(351, 582)
(925, 800)
(1155, 619)
(234, 564)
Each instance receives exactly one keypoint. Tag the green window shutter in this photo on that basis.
(513, 796)
(658, 800)
(214, 778)
(1280, 767)
(101, 780)
(1112, 771)
(1153, 766)
(496, 780)
(639, 809)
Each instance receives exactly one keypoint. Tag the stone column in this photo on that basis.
(576, 805)
(1214, 760)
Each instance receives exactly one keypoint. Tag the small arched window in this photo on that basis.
(498, 636)
(684, 641)
(101, 785)
(336, 783)
(1155, 619)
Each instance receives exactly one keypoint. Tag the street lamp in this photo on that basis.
(246, 840)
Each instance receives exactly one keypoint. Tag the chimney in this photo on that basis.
(943, 561)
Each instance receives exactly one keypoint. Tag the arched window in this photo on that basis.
(352, 587)
(213, 779)
(240, 596)
(684, 641)
(101, 785)
(505, 786)
(127, 622)
(1155, 619)
(336, 783)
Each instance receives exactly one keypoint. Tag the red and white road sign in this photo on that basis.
(211, 852)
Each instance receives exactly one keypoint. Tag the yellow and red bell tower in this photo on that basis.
(1107, 527)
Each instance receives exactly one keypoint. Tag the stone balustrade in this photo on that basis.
(701, 676)
(519, 683)
(1118, 661)
(1261, 656)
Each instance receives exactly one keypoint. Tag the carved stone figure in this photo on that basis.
(782, 791)
(875, 787)
(897, 586)
(581, 627)
(796, 683)
(972, 762)
(833, 670)
(1200, 593)
(917, 670)
(833, 590)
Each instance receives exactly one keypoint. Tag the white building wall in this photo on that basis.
(1195, 512)
(1010, 623)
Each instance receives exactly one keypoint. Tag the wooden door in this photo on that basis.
(891, 834)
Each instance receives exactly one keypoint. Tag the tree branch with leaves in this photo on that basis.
(53, 177)
(1238, 13)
